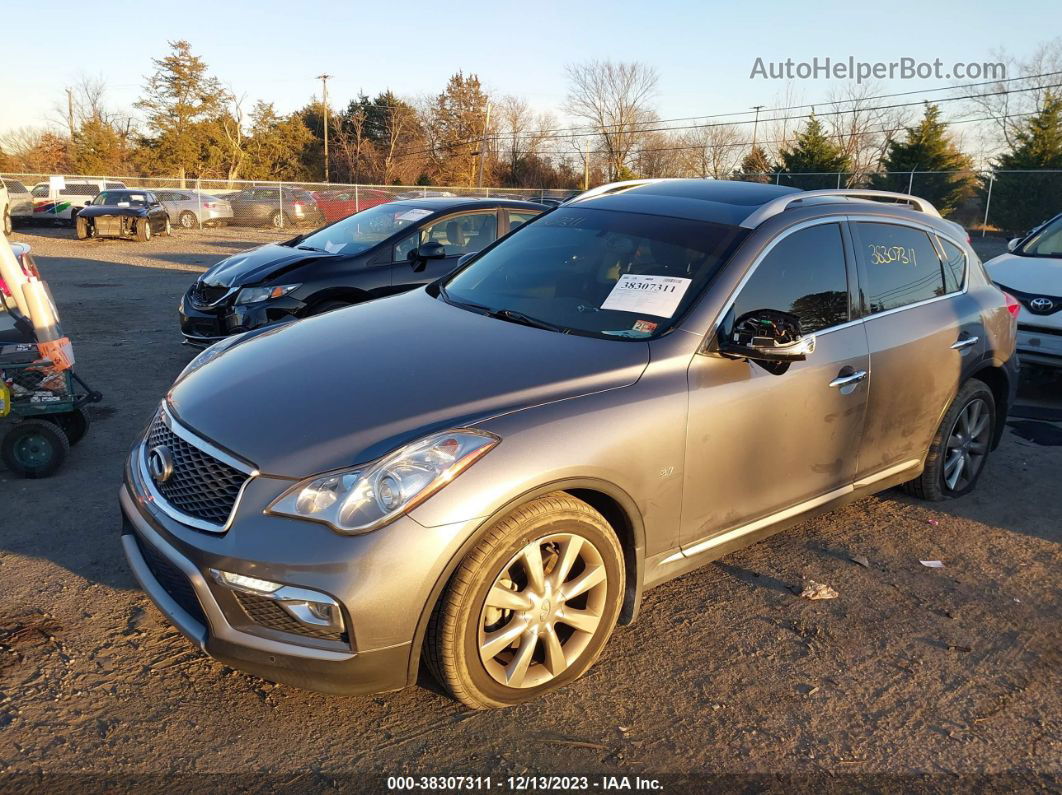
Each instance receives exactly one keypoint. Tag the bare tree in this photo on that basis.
(711, 151)
(861, 128)
(614, 99)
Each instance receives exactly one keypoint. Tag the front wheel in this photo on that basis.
(958, 453)
(531, 607)
(8, 226)
(143, 230)
(35, 449)
(81, 225)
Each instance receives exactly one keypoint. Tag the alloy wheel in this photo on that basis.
(543, 610)
(967, 445)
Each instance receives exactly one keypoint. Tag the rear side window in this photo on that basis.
(901, 265)
(804, 274)
(954, 265)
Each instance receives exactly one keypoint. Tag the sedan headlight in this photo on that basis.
(359, 500)
(252, 295)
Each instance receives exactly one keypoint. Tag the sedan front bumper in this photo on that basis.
(204, 327)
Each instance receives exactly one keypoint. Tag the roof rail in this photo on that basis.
(613, 187)
(776, 206)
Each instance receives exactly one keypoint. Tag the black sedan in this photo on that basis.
(380, 251)
(135, 214)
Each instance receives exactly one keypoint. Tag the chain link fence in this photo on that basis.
(985, 202)
(195, 203)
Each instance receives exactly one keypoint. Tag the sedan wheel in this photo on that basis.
(187, 220)
(967, 445)
(531, 607)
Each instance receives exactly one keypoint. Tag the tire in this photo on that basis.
(75, 424)
(143, 230)
(279, 220)
(82, 228)
(35, 449)
(187, 220)
(168, 231)
(965, 433)
(550, 652)
(8, 226)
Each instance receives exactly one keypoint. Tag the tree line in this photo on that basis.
(191, 126)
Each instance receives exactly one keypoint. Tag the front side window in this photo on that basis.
(804, 275)
(40, 191)
(901, 265)
(601, 273)
(463, 233)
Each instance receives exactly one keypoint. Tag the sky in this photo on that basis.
(703, 51)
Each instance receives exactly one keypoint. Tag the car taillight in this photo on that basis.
(298, 203)
(1013, 305)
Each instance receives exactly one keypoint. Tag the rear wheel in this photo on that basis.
(143, 230)
(960, 448)
(279, 220)
(34, 449)
(532, 606)
(187, 220)
(8, 226)
(81, 225)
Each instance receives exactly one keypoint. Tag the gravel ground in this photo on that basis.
(913, 677)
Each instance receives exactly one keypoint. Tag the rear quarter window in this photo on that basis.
(954, 265)
(901, 264)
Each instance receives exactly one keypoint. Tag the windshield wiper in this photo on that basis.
(524, 320)
(313, 248)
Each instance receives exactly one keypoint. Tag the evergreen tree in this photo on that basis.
(1022, 200)
(926, 147)
(181, 101)
(814, 160)
(458, 124)
(755, 167)
(99, 148)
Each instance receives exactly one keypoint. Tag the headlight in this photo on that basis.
(359, 500)
(252, 295)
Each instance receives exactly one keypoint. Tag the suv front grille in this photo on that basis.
(269, 614)
(201, 486)
(172, 580)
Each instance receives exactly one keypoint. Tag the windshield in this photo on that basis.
(364, 230)
(121, 199)
(1047, 242)
(597, 272)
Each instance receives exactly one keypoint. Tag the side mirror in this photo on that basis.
(88, 202)
(466, 257)
(1013, 243)
(431, 250)
(768, 337)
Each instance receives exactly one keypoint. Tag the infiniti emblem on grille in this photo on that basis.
(1041, 304)
(160, 464)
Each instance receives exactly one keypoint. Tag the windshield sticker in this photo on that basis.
(644, 325)
(413, 215)
(333, 248)
(647, 295)
(122, 204)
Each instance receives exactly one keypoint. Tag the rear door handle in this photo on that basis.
(845, 380)
(964, 342)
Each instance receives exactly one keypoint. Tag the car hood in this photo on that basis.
(258, 264)
(349, 386)
(96, 210)
(1041, 275)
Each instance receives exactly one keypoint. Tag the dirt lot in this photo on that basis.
(913, 677)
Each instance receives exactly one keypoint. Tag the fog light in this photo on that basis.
(241, 582)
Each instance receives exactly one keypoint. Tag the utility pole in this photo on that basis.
(70, 112)
(483, 144)
(756, 123)
(324, 102)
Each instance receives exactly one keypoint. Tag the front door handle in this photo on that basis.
(848, 378)
(964, 342)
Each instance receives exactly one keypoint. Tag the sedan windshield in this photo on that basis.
(1047, 242)
(601, 273)
(120, 199)
(364, 230)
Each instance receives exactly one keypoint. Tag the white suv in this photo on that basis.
(1031, 271)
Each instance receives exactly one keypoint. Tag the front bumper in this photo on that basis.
(1040, 345)
(382, 581)
(206, 326)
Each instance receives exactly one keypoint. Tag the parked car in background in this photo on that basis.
(191, 209)
(5, 211)
(487, 473)
(380, 251)
(136, 214)
(269, 206)
(1031, 271)
(19, 203)
(60, 205)
(337, 204)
